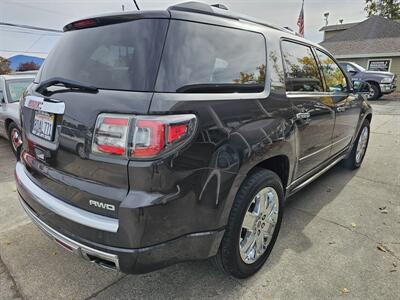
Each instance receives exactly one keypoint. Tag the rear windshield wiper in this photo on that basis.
(65, 82)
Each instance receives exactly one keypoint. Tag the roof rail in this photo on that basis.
(220, 10)
(221, 6)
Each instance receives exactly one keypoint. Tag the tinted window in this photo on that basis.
(301, 68)
(348, 68)
(121, 56)
(334, 77)
(16, 88)
(201, 58)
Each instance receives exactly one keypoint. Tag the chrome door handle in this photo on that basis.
(341, 109)
(303, 115)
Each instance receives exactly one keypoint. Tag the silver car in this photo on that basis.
(11, 89)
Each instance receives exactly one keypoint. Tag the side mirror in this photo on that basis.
(353, 72)
(361, 87)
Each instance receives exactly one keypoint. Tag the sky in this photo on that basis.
(56, 13)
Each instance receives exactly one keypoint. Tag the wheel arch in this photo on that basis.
(369, 117)
(7, 123)
(279, 164)
(374, 83)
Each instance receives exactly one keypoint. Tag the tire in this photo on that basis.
(14, 133)
(353, 161)
(229, 257)
(375, 92)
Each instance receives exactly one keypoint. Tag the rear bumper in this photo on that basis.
(63, 223)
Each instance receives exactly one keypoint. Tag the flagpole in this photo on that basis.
(300, 21)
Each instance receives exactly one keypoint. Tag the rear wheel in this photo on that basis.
(14, 137)
(374, 92)
(253, 225)
(356, 157)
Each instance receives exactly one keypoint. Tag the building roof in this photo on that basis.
(338, 27)
(18, 76)
(376, 35)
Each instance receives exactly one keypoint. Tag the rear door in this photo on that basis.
(314, 111)
(346, 102)
(121, 61)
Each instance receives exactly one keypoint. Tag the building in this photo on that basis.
(373, 43)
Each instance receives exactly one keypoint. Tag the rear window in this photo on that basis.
(201, 58)
(123, 56)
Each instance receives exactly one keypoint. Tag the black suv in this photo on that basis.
(156, 137)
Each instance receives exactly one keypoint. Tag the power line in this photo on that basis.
(30, 27)
(19, 51)
(42, 9)
(137, 7)
(29, 32)
(34, 43)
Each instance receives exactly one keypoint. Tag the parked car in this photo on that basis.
(196, 129)
(11, 89)
(381, 83)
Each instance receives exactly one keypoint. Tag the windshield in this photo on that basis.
(123, 56)
(16, 87)
(358, 67)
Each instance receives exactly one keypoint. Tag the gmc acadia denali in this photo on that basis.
(156, 137)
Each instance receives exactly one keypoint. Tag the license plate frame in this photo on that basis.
(43, 125)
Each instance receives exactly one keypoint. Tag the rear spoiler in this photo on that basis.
(103, 20)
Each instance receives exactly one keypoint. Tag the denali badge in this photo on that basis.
(102, 205)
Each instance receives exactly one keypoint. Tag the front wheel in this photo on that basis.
(253, 225)
(374, 92)
(356, 156)
(14, 137)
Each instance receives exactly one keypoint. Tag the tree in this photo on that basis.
(28, 66)
(4, 65)
(251, 77)
(386, 8)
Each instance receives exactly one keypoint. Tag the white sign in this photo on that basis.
(379, 65)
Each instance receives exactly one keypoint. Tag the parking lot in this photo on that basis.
(340, 238)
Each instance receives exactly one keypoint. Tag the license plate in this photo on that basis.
(43, 124)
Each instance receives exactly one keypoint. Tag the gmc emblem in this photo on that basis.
(34, 104)
(102, 205)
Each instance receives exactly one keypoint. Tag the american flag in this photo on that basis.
(300, 21)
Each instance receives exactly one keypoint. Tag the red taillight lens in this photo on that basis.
(175, 132)
(147, 136)
(111, 134)
(84, 23)
(156, 135)
(27, 158)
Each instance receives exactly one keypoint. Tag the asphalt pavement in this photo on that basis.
(340, 239)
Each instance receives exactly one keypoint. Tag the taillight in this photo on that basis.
(142, 137)
(84, 23)
(111, 134)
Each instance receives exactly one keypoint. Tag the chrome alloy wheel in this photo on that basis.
(362, 144)
(16, 139)
(371, 93)
(258, 225)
